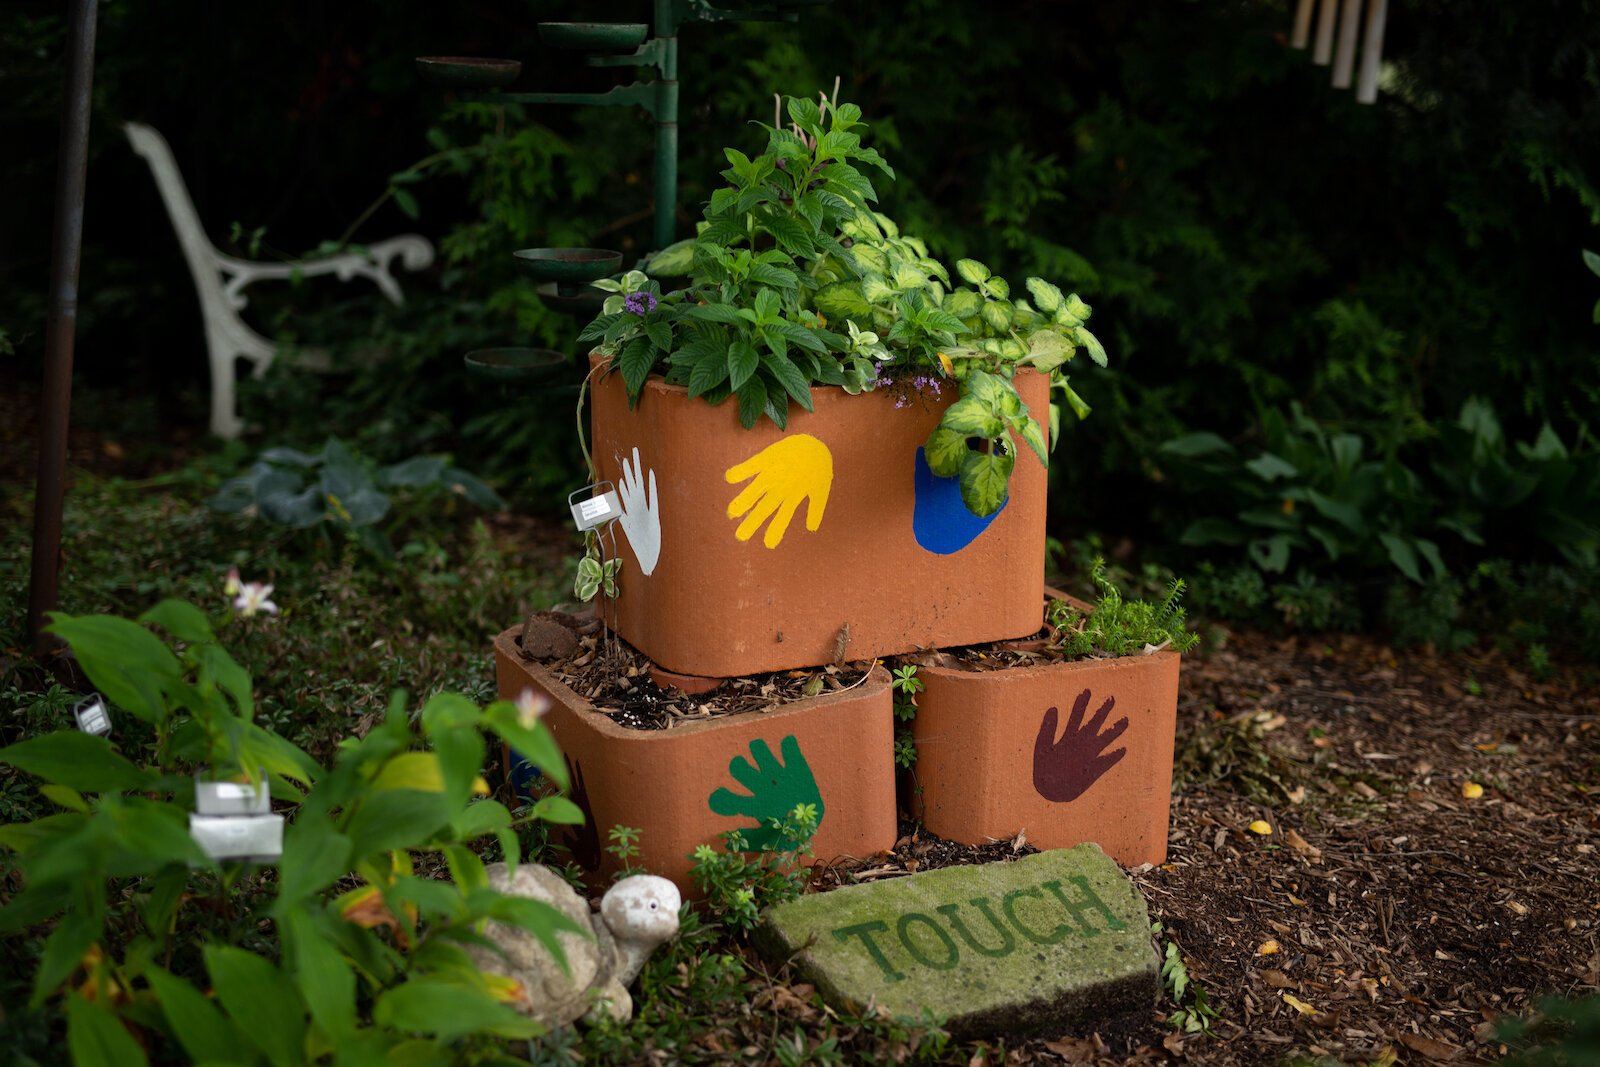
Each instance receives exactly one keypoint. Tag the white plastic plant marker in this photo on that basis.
(598, 507)
(235, 821)
(93, 716)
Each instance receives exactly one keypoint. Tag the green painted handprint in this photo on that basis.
(775, 789)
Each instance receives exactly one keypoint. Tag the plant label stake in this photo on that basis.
(595, 508)
(93, 716)
(599, 506)
(235, 821)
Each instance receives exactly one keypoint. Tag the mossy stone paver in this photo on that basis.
(1044, 944)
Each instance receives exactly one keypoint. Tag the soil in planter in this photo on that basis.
(615, 677)
(1032, 651)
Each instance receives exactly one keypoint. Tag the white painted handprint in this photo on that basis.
(641, 514)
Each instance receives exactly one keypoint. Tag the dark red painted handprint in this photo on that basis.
(1064, 770)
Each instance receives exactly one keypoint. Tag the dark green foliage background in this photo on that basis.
(1248, 236)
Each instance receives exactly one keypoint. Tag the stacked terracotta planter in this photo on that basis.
(1062, 752)
(748, 551)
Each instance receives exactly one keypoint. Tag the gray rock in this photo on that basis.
(1044, 944)
(637, 914)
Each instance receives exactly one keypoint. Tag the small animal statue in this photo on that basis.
(637, 914)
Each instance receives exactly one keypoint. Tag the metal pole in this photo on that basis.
(56, 394)
(666, 125)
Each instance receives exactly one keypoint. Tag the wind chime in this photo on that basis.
(1346, 14)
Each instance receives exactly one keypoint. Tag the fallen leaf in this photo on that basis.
(1433, 1050)
(1471, 790)
(1261, 826)
(1020, 840)
(1366, 791)
(1517, 908)
(1297, 1004)
(1173, 1044)
(1300, 845)
(1269, 947)
(1276, 979)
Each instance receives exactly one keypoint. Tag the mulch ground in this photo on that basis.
(1385, 914)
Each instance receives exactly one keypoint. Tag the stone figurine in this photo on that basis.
(637, 914)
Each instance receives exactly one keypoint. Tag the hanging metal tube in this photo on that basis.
(60, 329)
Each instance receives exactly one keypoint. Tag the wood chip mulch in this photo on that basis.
(1386, 916)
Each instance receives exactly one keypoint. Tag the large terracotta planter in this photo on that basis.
(685, 786)
(864, 554)
(1065, 752)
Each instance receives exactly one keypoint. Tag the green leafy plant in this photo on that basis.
(596, 574)
(336, 488)
(1191, 1012)
(1309, 489)
(1539, 489)
(738, 883)
(624, 844)
(791, 243)
(1118, 627)
(350, 952)
(1563, 1032)
(905, 685)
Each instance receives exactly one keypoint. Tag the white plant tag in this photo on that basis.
(231, 798)
(93, 716)
(596, 510)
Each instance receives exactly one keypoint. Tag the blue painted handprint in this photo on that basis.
(775, 790)
(940, 520)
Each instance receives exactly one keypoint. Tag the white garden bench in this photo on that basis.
(219, 279)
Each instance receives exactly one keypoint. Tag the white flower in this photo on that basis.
(531, 707)
(253, 597)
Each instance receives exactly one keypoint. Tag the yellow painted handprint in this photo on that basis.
(797, 468)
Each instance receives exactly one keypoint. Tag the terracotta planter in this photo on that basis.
(685, 786)
(769, 549)
(1066, 752)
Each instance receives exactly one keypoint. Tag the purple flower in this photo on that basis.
(639, 303)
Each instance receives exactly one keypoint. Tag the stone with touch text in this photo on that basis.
(1049, 943)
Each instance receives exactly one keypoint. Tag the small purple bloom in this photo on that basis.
(901, 401)
(639, 303)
